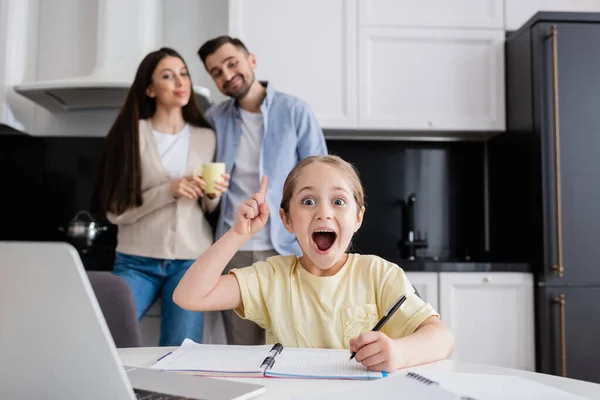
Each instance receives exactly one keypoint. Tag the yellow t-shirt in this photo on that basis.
(298, 309)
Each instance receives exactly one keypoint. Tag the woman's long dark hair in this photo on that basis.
(120, 172)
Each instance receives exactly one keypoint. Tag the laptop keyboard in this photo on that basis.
(148, 395)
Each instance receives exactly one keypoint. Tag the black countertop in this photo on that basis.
(460, 266)
(102, 258)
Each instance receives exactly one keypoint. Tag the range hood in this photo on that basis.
(126, 32)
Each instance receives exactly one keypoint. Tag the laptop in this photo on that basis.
(55, 343)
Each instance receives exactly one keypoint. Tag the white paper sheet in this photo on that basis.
(192, 356)
(319, 363)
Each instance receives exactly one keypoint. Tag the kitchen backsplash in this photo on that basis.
(48, 179)
(448, 181)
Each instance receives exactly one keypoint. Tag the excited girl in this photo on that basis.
(327, 298)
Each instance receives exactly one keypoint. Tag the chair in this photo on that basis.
(118, 306)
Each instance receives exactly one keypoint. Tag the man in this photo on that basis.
(260, 131)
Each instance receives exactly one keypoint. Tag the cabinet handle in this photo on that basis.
(559, 266)
(560, 300)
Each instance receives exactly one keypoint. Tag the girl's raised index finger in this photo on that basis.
(262, 191)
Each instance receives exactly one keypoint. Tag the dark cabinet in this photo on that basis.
(566, 78)
(545, 181)
(569, 332)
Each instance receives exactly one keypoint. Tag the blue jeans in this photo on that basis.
(151, 277)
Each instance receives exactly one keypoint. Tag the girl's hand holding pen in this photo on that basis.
(252, 214)
(377, 351)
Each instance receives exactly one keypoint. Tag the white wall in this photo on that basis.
(18, 45)
(187, 25)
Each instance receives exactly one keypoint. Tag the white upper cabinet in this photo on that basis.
(382, 64)
(519, 11)
(431, 79)
(432, 13)
(306, 49)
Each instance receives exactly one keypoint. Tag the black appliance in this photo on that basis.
(545, 183)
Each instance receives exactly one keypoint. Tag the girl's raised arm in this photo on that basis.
(203, 288)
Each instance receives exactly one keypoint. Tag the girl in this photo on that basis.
(327, 298)
(149, 190)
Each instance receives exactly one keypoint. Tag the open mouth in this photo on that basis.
(324, 239)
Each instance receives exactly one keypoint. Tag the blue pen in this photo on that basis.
(386, 316)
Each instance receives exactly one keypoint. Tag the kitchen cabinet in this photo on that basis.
(382, 64)
(491, 316)
(426, 284)
(517, 12)
(431, 79)
(432, 13)
(306, 49)
(569, 331)
(552, 141)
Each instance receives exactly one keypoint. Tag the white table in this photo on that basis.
(279, 388)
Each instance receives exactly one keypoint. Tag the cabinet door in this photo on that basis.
(426, 284)
(569, 328)
(424, 79)
(306, 49)
(432, 13)
(491, 317)
(517, 12)
(571, 217)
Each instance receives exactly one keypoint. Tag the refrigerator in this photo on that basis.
(544, 183)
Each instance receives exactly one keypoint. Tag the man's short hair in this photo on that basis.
(215, 44)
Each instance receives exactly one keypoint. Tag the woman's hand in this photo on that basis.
(221, 186)
(186, 187)
(377, 351)
(252, 214)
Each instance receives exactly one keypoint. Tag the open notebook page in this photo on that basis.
(214, 359)
(319, 363)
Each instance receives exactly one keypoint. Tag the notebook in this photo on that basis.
(496, 387)
(449, 386)
(274, 361)
(399, 385)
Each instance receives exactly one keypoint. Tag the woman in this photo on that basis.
(149, 189)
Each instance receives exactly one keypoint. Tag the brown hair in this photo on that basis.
(337, 162)
(211, 46)
(120, 174)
